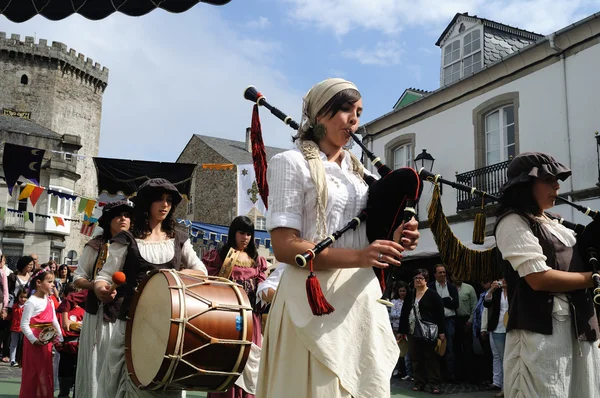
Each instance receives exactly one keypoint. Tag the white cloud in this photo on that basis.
(260, 23)
(393, 16)
(382, 54)
(172, 76)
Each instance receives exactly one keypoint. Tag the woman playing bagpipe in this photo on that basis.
(313, 191)
(98, 319)
(155, 242)
(552, 323)
(239, 261)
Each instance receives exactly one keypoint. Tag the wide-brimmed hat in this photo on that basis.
(157, 185)
(113, 209)
(529, 165)
(440, 347)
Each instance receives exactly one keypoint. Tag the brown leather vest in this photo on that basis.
(136, 268)
(92, 303)
(532, 310)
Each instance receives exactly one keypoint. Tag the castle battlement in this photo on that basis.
(68, 59)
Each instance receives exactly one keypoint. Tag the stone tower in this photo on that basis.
(61, 90)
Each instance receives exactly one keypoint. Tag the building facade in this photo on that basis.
(59, 90)
(528, 93)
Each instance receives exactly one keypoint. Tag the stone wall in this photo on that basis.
(63, 92)
(214, 192)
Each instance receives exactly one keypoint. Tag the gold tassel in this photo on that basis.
(464, 263)
(479, 224)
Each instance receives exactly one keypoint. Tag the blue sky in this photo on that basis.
(175, 75)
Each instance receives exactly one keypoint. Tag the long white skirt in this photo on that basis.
(114, 380)
(93, 344)
(557, 365)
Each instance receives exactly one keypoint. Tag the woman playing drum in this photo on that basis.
(314, 190)
(154, 243)
(239, 261)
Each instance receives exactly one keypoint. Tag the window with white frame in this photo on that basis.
(61, 206)
(500, 135)
(462, 60)
(261, 223)
(403, 156)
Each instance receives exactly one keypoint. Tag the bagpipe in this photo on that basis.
(391, 201)
(588, 236)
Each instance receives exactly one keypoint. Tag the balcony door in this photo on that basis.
(500, 135)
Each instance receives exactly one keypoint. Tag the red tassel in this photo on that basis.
(316, 299)
(382, 281)
(259, 156)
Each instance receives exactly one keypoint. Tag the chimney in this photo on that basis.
(248, 141)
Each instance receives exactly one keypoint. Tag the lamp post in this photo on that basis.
(425, 160)
(598, 155)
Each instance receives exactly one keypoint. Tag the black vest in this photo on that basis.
(532, 310)
(136, 268)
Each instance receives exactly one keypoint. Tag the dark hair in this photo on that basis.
(243, 224)
(22, 291)
(39, 276)
(440, 265)
(332, 107)
(520, 198)
(423, 272)
(399, 285)
(69, 288)
(140, 227)
(68, 271)
(23, 262)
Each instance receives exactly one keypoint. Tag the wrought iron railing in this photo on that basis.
(12, 221)
(489, 179)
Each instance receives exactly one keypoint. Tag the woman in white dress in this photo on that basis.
(315, 190)
(552, 331)
(155, 242)
(97, 325)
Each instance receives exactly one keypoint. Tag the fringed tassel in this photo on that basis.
(479, 224)
(259, 157)
(465, 264)
(479, 228)
(316, 299)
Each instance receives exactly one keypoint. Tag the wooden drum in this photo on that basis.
(187, 332)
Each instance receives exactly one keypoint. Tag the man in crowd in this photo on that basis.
(463, 337)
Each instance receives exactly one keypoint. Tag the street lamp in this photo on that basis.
(598, 154)
(425, 160)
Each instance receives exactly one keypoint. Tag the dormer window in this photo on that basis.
(462, 57)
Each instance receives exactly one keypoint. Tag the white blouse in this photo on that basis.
(154, 252)
(33, 307)
(85, 268)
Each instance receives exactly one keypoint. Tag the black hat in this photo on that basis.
(113, 209)
(157, 185)
(529, 165)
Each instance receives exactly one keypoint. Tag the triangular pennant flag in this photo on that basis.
(35, 195)
(23, 161)
(87, 229)
(89, 207)
(82, 204)
(28, 216)
(2, 213)
(58, 221)
(26, 191)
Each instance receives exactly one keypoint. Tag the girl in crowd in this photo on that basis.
(37, 376)
(98, 320)
(551, 343)
(496, 307)
(16, 334)
(315, 190)
(395, 311)
(155, 242)
(248, 270)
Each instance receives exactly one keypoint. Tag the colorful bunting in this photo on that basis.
(62, 195)
(58, 221)
(28, 216)
(87, 229)
(89, 207)
(32, 192)
(82, 205)
(2, 213)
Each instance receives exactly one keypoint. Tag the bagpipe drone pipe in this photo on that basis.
(479, 264)
(391, 201)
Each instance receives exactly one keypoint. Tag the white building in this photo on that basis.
(503, 91)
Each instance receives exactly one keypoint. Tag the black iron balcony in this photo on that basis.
(489, 179)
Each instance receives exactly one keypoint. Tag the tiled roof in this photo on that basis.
(13, 124)
(235, 151)
(498, 44)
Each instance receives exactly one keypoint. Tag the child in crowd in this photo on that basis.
(16, 335)
(38, 315)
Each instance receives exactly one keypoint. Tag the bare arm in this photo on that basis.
(559, 281)
(84, 284)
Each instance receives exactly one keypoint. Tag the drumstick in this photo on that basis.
(118, 279)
